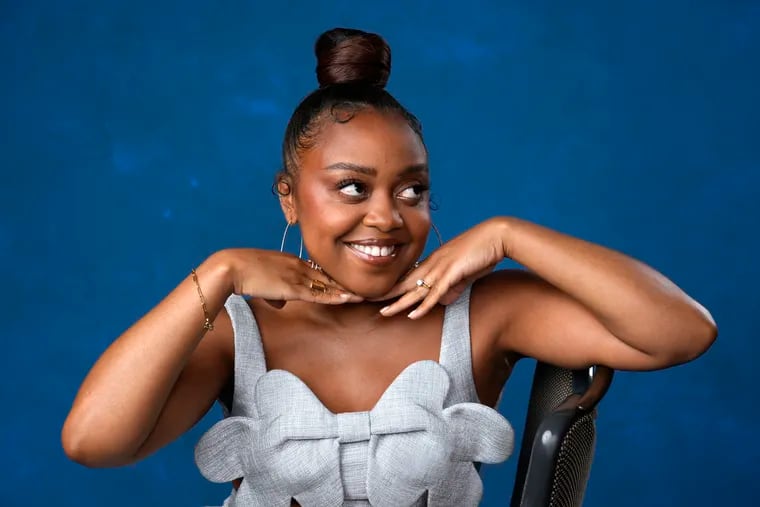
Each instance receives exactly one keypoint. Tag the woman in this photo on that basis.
(362, 376)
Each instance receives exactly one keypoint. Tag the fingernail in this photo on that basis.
(384, 309)
(412, 314)
(345, 296)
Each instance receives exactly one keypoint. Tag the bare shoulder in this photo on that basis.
(498, 298)
(499, 294)
(532, 318)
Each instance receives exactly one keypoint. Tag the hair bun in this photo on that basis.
(345, 55)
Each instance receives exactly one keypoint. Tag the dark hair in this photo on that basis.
(352, 70)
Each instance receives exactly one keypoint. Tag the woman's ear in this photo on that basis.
(285, 192)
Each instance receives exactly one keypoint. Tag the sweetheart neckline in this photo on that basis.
(385, 391)
(451, 321)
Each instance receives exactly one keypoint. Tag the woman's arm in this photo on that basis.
(579, 303)
(162, 364)
(588, 304)
(162, 374)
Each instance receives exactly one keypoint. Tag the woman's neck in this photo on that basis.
(344, 315)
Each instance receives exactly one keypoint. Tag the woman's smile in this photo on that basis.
(375, 251)
(374, 254)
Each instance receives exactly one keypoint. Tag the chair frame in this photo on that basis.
(550, 427)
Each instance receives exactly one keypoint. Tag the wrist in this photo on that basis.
(219, 269)
(505, 230)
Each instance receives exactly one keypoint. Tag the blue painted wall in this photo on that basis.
(138, 137)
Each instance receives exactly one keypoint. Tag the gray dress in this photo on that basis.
(416, 447)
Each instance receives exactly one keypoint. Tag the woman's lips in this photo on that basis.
(374, 254)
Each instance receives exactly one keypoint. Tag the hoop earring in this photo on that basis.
(284, 235)
(440, 243)
(437, 233)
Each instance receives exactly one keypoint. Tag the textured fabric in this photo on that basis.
(414, 448)
(456, 350)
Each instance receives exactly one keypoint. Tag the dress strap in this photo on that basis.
(250, 362)
(456, 350)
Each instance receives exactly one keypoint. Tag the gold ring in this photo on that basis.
(423, 283)
(318, 286)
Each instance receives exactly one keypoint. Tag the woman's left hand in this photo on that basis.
(443, 276)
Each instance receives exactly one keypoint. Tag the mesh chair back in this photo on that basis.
(559, 439)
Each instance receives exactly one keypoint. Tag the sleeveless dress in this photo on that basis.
(416, 447)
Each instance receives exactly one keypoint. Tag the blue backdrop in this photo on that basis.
(138, 137)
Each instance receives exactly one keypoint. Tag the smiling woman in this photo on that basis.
(362, 200)
(332, 395)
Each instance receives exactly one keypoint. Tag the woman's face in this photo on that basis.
(361, 199)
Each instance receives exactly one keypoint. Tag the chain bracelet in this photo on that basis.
(208, 325)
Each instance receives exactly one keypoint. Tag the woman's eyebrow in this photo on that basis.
(347, 166)
(371, 171)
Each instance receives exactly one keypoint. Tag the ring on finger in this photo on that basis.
(318, 286)
(422, 283)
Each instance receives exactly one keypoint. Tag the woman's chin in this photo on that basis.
(372, 294)
(369, 288)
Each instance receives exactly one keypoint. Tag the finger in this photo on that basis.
(440, 286)
(409, 274)
(430, 300)
(319, 288)
(456, 290)
(412, 297)
(314, 272)
(330, 296)
(397, 290)
(409, 282)
(311, 268)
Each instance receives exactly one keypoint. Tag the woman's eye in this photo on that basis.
(353, 189)
(413, 192)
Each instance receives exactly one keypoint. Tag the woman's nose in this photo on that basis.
(383, 214)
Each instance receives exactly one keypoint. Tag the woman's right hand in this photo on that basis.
(280, 277)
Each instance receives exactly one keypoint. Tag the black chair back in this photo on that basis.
(559, 437)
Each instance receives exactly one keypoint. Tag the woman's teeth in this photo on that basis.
(374, 251)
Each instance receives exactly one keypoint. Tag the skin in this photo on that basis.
(577, 304)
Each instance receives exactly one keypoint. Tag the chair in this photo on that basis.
(560, 434)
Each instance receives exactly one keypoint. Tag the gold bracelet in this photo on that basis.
(208, 326)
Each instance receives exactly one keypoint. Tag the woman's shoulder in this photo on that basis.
(504, 286)
(497, 297)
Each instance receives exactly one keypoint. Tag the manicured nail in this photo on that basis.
(384, 309)
(412, 314)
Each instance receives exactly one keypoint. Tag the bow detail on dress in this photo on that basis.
(289, 448)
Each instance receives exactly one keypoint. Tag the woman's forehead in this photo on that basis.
(369, 139)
